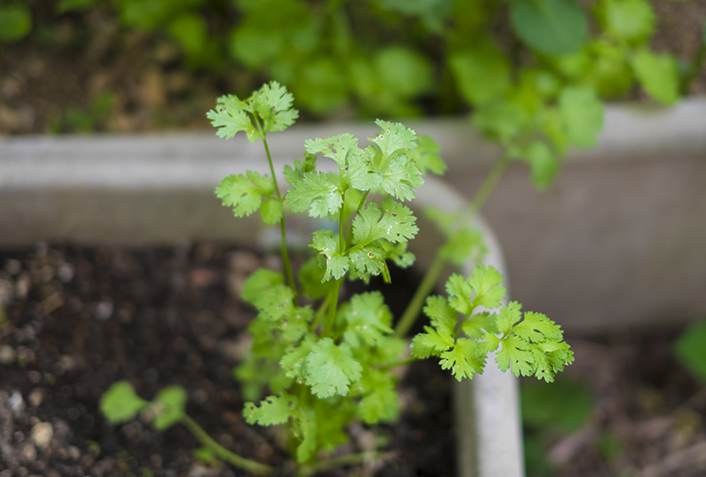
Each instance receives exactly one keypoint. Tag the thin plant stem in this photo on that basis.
(431, 277)
(319, 313)
(282, 227)
(415, 305)
(349, 239)
(333, 307)
(697, 64)
(488, 185)
(399, 363)
(223, 453)
(348, 459)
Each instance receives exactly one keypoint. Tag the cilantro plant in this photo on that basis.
(317, 364)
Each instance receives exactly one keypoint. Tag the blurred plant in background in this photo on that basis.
(533, 72)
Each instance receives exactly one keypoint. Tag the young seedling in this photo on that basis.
(315, 364)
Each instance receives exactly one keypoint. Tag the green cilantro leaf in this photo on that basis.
(401, 177)
(120, 403)
(311, 277)
(482, 73)
(168, 407)
(359, 172)
(463, 360)
(317, 191)
(258, 282)
(478, 325)
(443, 317)
(390, 220)
(273, 104)
(486, 282)
(629, 20)
(305, 430)
(382, 405)
(334, 147)
(582, 114)
(294, 360)
(239, 193)
(370, 261)
(460, 294)
(367, 319)
(330, 369)
(272, 211)
(293, 174)
(431, 343)
(426, 156)
(658, 74)
(543, 163)
(336, 264)
(531, 346)
(230, 117)
(394, 137)
(271, 411)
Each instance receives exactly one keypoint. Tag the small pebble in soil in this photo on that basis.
(7, 355)
(42, 434)
(16, 403)
(36, 397)
(104, 310)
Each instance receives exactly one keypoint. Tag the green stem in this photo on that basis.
(415, 305)
(697, 64)
(434, 271)
(333, 307)
(489, 184)
(319, 313)
(348, 459)
(401, 362)
(282, 228)
(349, 239)
(223, 453)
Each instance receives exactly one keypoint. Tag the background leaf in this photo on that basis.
(552, 27)
(658, 74)
(15, 23)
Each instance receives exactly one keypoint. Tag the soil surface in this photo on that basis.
(83, 72)
(646, 418)
(76, 319)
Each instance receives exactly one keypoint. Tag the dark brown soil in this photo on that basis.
(648, 417)
(77, 319)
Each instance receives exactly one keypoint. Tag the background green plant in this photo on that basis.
(534, 73)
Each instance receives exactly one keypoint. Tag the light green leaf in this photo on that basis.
(382, 405)
(443, 317)
(463, 245)
(403, 71)
(168, 405)
(259, 282)
(367, 320)
(515, 355)
(336, 264)
(370, 260)
(334, 147)
(431, 343)
(486, 282)
(478, 325)
(272, 211)
(390, 220)
(482, 73)
(460, 294)
(426, 156)
(239, 193)
(271, 411)
(120, 403)
(543, 163)
(537, 328)
(463, 360)
(230, 117)
(508, 316)
(400, 178)
(318, 192)
(306, 432)
(630, 20)
(582, 114)
(552, 27)
(394, 137)
(330, 369)
(658, 74)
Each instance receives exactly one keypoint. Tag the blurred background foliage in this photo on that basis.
(533, 72)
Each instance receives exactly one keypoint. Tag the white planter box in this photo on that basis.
(160, 190)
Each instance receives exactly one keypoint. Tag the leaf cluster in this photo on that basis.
(471, 323)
